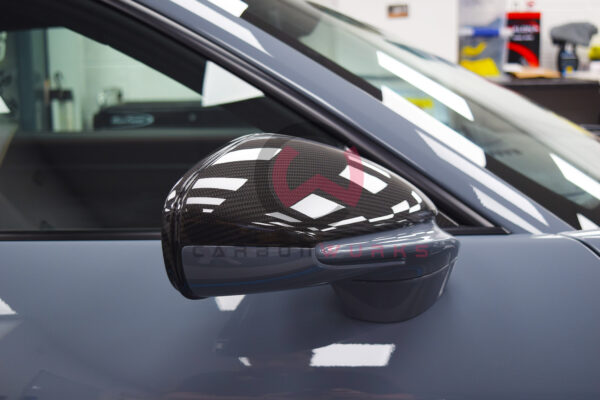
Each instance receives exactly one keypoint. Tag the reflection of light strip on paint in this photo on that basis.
(222, 87)
(5, 309)
(370, 182)
(577, 177)
(229, 303)
(417, 206)
(389, 216)
(312, 228)
(262, 223)
(327, 229)
(504, 212)
(261, 153)
(282, 217)
(400, 207)
(349, 221)
(432, 126)
(315, 206)
(414, 208)
(416, 197)
(246, 361)
(220, 183)
(213, 201)
(233, 7)
(221, 21)
(484, 178)
(425, 84)
(207, 210)
(585, 223)
(3, 107)
(281, 224)
(352, 355)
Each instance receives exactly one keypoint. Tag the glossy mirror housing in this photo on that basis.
(273, 212)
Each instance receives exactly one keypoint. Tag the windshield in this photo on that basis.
(543, 155)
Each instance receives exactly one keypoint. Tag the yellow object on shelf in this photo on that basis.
(473, 51)
(485, 66)
(595, 53)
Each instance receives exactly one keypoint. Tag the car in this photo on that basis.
(238, 150)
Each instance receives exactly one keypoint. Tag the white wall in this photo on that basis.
(432, 25)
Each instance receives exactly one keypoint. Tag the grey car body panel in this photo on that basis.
(519, 319)
(591, 238)
(480, 189)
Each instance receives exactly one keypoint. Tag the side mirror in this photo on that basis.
(272, 212)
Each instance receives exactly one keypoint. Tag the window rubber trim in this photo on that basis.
(80, 235)
(194, 41)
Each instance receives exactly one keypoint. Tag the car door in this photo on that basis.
(87, 310)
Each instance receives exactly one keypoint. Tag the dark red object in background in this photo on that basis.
(524, 45)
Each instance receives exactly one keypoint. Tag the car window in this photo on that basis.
(91, 138)
(546, 157)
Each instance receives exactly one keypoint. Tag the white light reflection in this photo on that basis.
(352, 355)
(233, 7)
(389, 216)
(221, 21)
(222, 87)
(3, 107)
(432, 126)
(282, 217)
(425, 84)
(281, 224)
(262, 154)
(585, 223)
(358, 159)
(220, 183)
(5, 309)
(504, 212)
(577, 177)
(416, 197)
(315, 206)
(348, 221)
(376, 168)
(212, 201)
(369, 182)
(484, 178)
(262, 223)
(207, 210)
(245, 361)
(229, 303)
(414, 208)
(402, 206)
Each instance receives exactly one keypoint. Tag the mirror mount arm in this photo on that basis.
(410, 269)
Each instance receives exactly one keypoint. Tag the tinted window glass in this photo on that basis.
(91, 138)
(541, 154)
